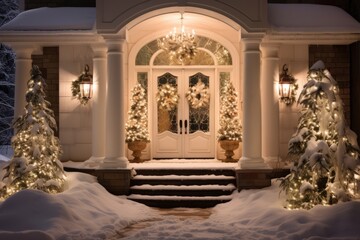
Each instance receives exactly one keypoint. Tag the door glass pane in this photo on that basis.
(198, 97)
(142, 78)
(167, 103)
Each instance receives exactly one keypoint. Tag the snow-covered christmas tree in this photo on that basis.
(230, 126)
(137, 124)
(35, 164)
(325, 150)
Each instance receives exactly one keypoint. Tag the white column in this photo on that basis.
(115, 154)
(22, 75)
(99, 103)
(252, 157)
(270, 102)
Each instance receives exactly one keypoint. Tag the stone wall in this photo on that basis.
(48, 63)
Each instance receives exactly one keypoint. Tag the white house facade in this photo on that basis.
(247, 42)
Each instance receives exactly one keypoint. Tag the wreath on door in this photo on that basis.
(198, 95)
(167, 97)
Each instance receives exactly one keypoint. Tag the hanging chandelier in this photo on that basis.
(181, 46)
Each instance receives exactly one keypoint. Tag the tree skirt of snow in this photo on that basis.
(84, 211)
(259, 214)
(53, 19)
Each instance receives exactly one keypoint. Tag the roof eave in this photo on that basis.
(50, 37)
(324, 38)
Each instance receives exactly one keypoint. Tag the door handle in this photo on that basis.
(180, 123)
(186, 123)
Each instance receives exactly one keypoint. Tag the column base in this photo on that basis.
(94, 162)
(252, 163)
(115, 162)
(273, 162)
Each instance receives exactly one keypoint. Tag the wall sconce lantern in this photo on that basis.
(82, 87)
(86, 84)
(287, 86)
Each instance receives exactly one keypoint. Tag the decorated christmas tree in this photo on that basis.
(324, 149)
(137, 124)
(230, 127)
(35, 164)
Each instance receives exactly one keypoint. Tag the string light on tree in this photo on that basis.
(137, 124)
(35, 164)
(325, 150)
(230, 126)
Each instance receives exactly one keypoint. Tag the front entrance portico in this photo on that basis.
(245, 75)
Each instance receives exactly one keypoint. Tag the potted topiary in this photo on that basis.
(229, 134)
(137, 134)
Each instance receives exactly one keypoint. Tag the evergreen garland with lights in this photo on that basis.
(325, 150)
(230, 127)
(35, 164)
(137, 124)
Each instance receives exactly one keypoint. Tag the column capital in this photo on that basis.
(251, 42)
(99, 50)
(270, 50)
(116, 44)
(23, 51)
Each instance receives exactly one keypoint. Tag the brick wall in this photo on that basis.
(48, 63)
(30, 4)
(337, 61)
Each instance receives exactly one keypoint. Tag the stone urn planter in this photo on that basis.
(137, 147)
(229, 146)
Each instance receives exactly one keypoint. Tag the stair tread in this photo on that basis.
(182, 177)
(228, 187)
(179, 198)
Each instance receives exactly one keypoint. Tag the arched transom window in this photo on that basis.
(209, 52)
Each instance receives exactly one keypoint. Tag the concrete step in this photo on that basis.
(183, 190)
(180, 201)
(176, 187)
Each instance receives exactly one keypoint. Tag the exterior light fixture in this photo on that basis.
(180, 45)
(82, 87)
(86, 83)
(287, 86)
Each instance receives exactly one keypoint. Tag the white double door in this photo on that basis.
(182, 130)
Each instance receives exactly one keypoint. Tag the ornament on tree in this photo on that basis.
(137, 124)
(198, 95)
(35, 164)
(230, 127)
(167, 97)
(325, 150)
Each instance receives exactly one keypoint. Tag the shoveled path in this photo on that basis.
(167, 223)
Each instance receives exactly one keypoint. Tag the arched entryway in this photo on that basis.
(184, 130)
(124, 38)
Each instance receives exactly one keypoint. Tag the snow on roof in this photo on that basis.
(299, 18)
(311, 18)
(53, 19)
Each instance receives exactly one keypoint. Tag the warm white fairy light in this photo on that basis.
(230, 126)
(137, 125)
(321, 132)
(35, 164)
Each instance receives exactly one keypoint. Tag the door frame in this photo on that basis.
(184, 141)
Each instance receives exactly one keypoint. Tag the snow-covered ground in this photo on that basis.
(86, 211)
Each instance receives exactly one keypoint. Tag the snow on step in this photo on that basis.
(183, 177)
(228, 187)
(180, 198)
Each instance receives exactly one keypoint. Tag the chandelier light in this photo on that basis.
(180, 45)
